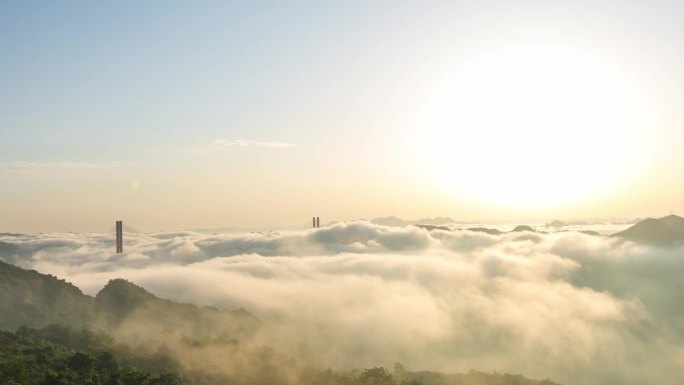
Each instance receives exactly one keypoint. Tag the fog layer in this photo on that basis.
(577, 308)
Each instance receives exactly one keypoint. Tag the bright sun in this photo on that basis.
(534, 127)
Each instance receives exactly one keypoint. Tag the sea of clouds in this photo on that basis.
(576, 308)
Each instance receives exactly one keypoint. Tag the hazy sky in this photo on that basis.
(178, 115)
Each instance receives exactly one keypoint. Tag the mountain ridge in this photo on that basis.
(665, 231)
(151, 333)
(29, 298)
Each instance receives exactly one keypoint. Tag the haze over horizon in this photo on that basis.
(570, 306)
(234, 114)
(499, 187)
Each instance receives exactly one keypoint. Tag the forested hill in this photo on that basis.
(62, 356)
(59, 355)
(125, 305)
(126, 335)
(28, 298)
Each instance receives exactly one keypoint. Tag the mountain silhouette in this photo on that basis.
(431, 227)
(486, 230)
(521, 228)
(389, 221)
(29, 298)
(394, 221)
(436, 221)
(664, 231)
(126, 304)
(557, 224)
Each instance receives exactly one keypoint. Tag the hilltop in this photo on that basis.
(156, 341)
(32, 299)
(398, 222)
(126, 305)
(665, 231)
(28, 298)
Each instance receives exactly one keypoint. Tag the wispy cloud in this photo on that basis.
(228, 143)
(63, 165)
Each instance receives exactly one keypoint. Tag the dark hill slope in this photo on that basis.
(432, 227)
(161, 334)
(57, 355)
(28, 298)
(664, 231)
(141, 313)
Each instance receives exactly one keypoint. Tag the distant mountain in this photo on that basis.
(486, 230)
(436, 221)
(28, 298)
(394, 221)
(522, 228)
(664, 231)
(431, 227)
(556, 223)
(389, 221)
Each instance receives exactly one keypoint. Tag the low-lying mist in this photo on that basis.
(576, 308)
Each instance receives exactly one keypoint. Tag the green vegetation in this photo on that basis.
(381, 376)
(28, 298)
(61, 355)
(30, 357)
(59, 336)
(122, 303)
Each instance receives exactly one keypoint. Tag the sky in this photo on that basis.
(173, 115)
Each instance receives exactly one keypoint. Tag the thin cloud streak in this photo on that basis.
(23, 166)
(223, 143)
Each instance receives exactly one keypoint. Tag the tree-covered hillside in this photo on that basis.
(35, 357)
(141, 339)
(28, 298)
(125, 305)
(59, 355)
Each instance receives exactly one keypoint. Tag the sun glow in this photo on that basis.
(535, 127)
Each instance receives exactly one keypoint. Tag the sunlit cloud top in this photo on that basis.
(576, 308)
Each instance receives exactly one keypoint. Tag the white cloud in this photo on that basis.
(572, 307)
